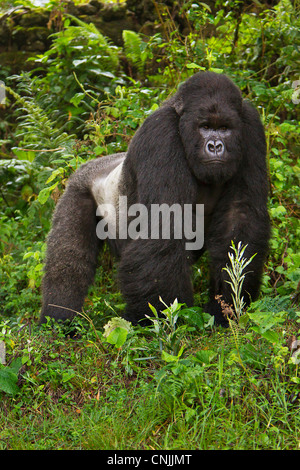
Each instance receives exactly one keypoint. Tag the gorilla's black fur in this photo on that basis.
(203, 146)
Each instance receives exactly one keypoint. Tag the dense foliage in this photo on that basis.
(181, 383)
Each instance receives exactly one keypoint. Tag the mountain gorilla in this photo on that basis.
(205, 145)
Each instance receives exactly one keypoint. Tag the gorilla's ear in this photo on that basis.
(178, 105)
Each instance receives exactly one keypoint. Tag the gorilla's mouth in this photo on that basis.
(208, 162)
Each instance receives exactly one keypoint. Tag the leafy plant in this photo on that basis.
(135, 49)
(78, 55)
(9, 377)
(237, 276)
(116, 331)
(167, 331)
(114, 123)
(37, 133)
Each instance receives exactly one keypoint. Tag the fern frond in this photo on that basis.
(37, 131)
(133, 47)
(86, 29)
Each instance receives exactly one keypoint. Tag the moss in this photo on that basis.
(16, 60)
(37, 17)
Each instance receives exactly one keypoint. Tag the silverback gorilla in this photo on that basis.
(204, 146)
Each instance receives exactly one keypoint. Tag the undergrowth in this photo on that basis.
(211, 388)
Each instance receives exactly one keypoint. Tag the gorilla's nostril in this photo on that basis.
(219, 147)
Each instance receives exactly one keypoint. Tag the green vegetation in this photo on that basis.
(180, 383)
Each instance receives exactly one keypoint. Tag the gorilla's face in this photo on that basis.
(210, 130)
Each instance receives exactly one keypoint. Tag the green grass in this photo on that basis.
(84, 393)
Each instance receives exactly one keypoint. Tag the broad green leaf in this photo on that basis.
(168, 357)
(8, 381)
(117, 337)
(45, 193)
(116, 330)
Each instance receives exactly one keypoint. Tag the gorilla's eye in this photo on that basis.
(204, 126)
(223, 128)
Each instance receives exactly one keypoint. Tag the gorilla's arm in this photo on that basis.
(157, 169)
(241, 215)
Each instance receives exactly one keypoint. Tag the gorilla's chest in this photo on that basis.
(209, 195)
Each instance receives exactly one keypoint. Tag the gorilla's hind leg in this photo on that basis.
(72, 254)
